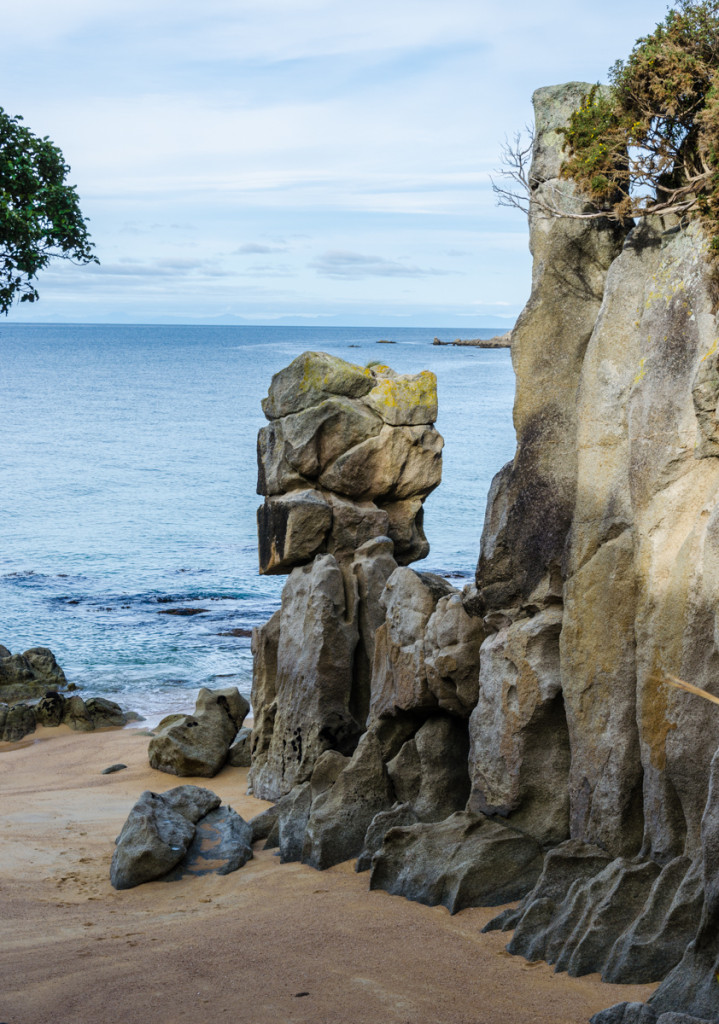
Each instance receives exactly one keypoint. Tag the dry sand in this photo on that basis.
(269, 944)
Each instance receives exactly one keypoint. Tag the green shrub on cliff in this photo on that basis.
(40, 216)
(649, 142)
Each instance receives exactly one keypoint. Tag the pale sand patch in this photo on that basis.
(241, 948)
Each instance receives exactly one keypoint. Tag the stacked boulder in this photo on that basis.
(365, 678)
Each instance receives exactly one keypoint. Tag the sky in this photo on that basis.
(296, 161)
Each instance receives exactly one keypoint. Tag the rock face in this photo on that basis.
(198, 745)
(599, 573)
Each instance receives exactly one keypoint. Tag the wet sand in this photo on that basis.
(269, 944)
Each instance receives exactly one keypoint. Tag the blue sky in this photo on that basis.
(296, 161)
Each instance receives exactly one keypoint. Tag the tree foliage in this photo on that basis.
(40, 217)
(649, 143)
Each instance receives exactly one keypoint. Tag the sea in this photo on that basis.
(128, 468)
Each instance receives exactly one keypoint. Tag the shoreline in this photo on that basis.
(245, 945)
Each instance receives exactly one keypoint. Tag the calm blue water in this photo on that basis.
(128, 474)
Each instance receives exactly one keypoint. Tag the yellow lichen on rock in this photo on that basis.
(407, 400)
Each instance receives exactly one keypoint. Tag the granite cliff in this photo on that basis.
(517, 740)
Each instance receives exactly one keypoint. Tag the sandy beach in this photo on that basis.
(270, 943)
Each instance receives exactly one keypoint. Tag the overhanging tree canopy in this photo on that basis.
(650, 142)
(40, 217)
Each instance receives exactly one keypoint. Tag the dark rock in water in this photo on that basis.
(158, 833)
(465, 861)
(30, 674)
(237, 631)
(113, 768)
(240, 753)
(16, 721)
(183, 611)
(104, 713)
(197, 745)
(395, 817)
(222, 844)
(50, 709)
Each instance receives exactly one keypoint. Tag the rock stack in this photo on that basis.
(365, 677)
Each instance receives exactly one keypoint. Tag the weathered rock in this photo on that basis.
(113, 768)
(240, 753)
(372, 566)
(158, 833)
(291, 528)
(76, 715)
(627, 1013)
(642, 1013)
(312, 378)
(105, 713)
(430, 771)
(452, 641)
(464, 861)
(406, 529)
(519, 743)
(397, 816)
(222, 844)
(399, 463)
(313, 685)
(16, 722)
(531, 502)
(30, 674)
(692, 986)
(297, 448)
(399, 677)
(407, 400)
(354, 523)
(265, 640)
(197, 745)
(340, 817)
(292, 822)
(50, 709)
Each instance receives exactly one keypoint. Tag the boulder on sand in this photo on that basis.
(198, 745)
(161, 830)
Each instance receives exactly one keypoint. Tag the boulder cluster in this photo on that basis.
(36, 674)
